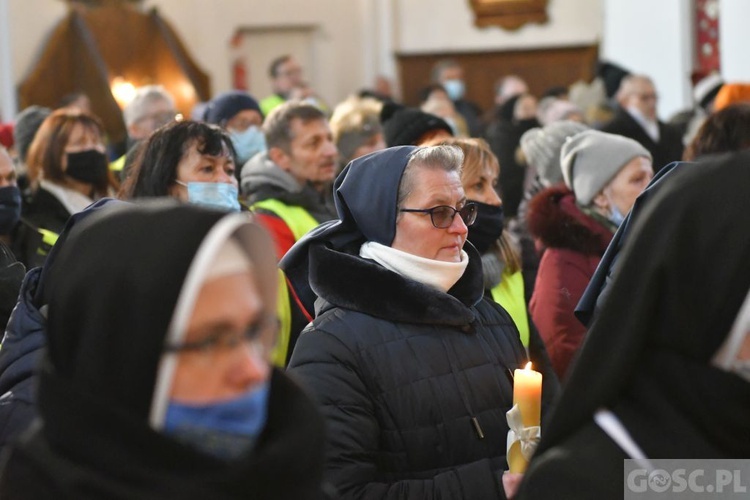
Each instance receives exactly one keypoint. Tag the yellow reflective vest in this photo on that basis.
(510, 294)
(300, 222)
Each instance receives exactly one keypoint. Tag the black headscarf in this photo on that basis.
(112, 296)
(366, 196)
(684, 273)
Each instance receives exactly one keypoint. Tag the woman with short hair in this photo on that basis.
(68, 171)
(409, 363)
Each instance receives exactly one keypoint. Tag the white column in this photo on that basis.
(654, 38)
(734, 38)
(8, 103)
(368, 27)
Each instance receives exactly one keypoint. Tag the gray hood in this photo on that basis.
(259, 172)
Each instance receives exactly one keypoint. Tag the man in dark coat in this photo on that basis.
(649, 364)
(636, 118)
(155, 381)
(409, 363)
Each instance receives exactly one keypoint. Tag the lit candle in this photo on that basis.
(527, 394)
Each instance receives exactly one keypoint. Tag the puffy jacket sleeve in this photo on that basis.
(559, 286)
(329, 370)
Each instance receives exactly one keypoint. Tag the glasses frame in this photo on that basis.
(253, 335)
(468, 218)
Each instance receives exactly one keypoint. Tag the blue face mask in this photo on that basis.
(248, 143)
(454, 88)
(225, 430)
(615, 216)
(217, 195)
(10, 208)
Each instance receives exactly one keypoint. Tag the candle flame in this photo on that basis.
(528, 366)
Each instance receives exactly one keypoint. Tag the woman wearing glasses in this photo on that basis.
(156, 380)
(409, 363)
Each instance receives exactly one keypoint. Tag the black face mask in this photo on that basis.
(488, 226)
(88, 166)
(10, 208)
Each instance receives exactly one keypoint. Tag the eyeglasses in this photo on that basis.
(225, 342)
(442, 215)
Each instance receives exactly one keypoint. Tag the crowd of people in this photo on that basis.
(278, 298)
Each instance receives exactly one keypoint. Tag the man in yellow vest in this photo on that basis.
(289, 84)
(289, 186)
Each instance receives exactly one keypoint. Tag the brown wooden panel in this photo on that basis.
(90, 47)
(541, 68)
(508, 14)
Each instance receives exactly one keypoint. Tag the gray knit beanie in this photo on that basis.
(28, 122)
(541, 147)
(591, 159)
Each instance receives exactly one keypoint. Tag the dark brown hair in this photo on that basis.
(723, 131)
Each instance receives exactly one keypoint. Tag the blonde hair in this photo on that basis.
(477, 157)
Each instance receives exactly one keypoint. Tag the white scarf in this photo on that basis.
(434, 273)
(651, 127)
(73, 201)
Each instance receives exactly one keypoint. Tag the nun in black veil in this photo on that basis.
(647, 385)
(406, 358)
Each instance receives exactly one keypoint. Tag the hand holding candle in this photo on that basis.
(524, 418)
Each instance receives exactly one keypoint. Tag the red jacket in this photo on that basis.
(574, 243)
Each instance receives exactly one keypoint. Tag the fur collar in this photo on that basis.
(555, 219)
(351, 282)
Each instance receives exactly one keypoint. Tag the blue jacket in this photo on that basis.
(19, 356)
(24, 339)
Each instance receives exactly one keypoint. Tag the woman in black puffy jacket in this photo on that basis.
(408, 362)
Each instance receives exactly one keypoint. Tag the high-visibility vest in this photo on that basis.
(510, 294)
(300, 222)
(269, 103)
(49, 238)
(118, 165)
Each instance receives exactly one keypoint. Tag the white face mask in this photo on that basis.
(728, 357)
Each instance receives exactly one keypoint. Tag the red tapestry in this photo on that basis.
(707, 50)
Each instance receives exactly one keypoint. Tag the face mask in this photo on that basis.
(487, 228)
(217, 195)
(88, 166)
(247, 143)
(615, 216)
(225, 430)
(10, 208)
(454, 88)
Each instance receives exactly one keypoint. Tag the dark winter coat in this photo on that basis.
(573, 245)
(24, 341)
(19, 357)
(668, 149)
(414, 382)
(44, 211)
(504, 137)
